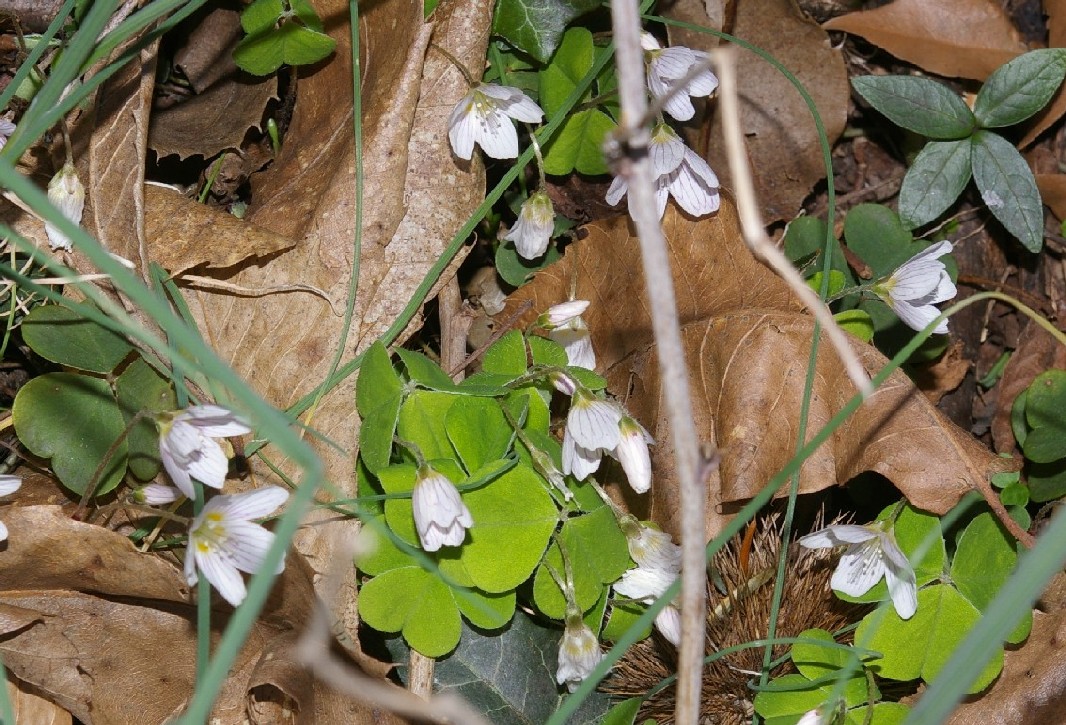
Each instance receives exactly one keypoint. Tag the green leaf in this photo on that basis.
(261, 15)
(376, 433)
(857, 322)
(984, 559)
(1017, 418)
(487, 611)
(140, 388)
(805, 238)
(65, 337)
(788, 697)
(1008, 188)
(303, 46)
(624, 713)
(73, 420)
(579, 144)
(424, 371)
(510, 677)
(875, 233)
(515, 270)
(378, 382)
(934, 181)
(545, 351)
(415, 602)
(1045, 412)
(260, 54)
(918, 104)
(383, 554)
(536, 26)
(921, 645)
(268, 47)
(421, 422)
(506, 356)
(815, 661)
(307, 15)
(598, 556)
(514, 516)
(571, 62)
(1020, 88)
(478, 430)
(1047, 481)
(621, 620)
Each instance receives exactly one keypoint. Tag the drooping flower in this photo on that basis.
(155, 494)
(651, 548)
(562, 313)
(578, 461)
(441, 517)
(811, 717)
(224, 540)
(575, 339)
(6, 129)
(632, 453)
(188, 450)
(666, 66)
(533, 229)
(484, 117)
(917, 285)
(9, 483)
(579, 652)
(680, 173)
(644, 584)
(668, 622)
(66, 193)
(872, 553)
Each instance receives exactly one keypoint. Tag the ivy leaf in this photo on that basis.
(934, 181)
(1008, 188)
(536, 26)
(918, 104)
(921, 645)
(1020, 88)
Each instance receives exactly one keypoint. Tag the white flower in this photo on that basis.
(441, 517)
(917, 285)
(67, 194)
(667, 66)
(591, 428)
(811, 717)
(644, 584)
(632, 453)
(575, 339)
(224, 541)
(155, 494)
(8, 485)
(651, 548)
(668, 622)
(484, 117)
(562, 313)
(578, 461)
(533, 230)
(188, 451)
(680, 173)
(579, 652)
(872, 553)
(6, 129)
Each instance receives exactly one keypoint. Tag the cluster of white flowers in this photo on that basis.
(679, 171)
(872, 553)
(658, 562)
(595, 427)
(917, 285)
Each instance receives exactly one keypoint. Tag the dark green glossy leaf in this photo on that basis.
(918, 104)
(1008, 188)
(141, 389)
(63, 336)
(934, 181)
(536, 26)
(1020, 88)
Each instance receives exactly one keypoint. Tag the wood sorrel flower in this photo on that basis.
(441, 517)
(8, 485)
(666, 66)
(562, 313)
(576, 341)
(67, 194)
(579, 652)
(668, 622)
(872, 553)
(591, 428)
(918, 284)
(484, 117)
(658, 561)
(533, 229)
(632, 453)
(155, 494)
(188, 450)
(680, 173)
(224, 541)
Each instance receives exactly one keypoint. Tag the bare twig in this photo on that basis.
(636, 167)
(755, 233)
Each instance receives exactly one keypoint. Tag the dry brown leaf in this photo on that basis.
(946, 374)
(705, 13)
(782, 141)
(1046, 118)
(83, 615)
(1053, 192)
(183, 234)
(1032, 686)
(747, 345)
(955, 38)
(31, 708)
(228, 102)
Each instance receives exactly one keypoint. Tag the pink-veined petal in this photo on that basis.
(214, 421)
(247, 545)
(837, 535)
(209, 464)
(594, 422)
(904, 592)
(859, 569)
(461, 129)
(616, 190)
(496, 135)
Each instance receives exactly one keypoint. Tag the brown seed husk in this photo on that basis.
(739, 616)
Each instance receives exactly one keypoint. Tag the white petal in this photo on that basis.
(837, 535)
(461, 128)
(919, 317)
(523, 109)
(903, 590)
(156, 494)
(209, 464)
(859, 569)
(668, 622)
(593, 422)
(249, 505)
(190, 566)
(648, 41)
(496, 135)
(632, 453)
(576, 341)
(679, 106)
(578, 461)
(579, 653)
(175, 468)
(223, 576)
(247, 545)
(214, 421)
(441, 517)
(653, 549)
(667, 150)
(617, 190)
(9, 483)
(3, 531)
(644, 584)
(563, 312)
